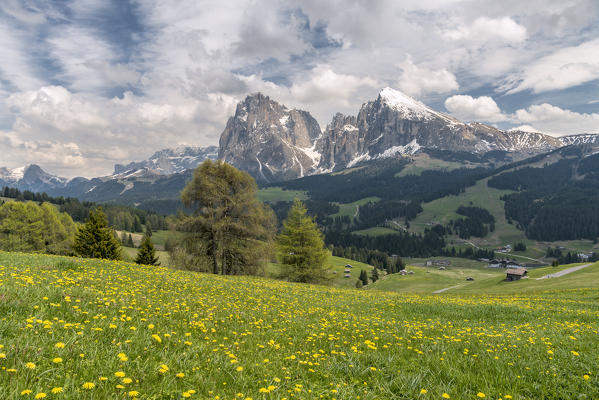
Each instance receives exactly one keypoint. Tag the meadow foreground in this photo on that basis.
(92, 329)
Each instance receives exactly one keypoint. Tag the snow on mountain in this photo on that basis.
(585, 138)
(12, 175)
(167, 161)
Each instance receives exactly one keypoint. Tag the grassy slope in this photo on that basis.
(350, 209)
(267, 339)
(334, 264)
(423, 162)
(275, 194)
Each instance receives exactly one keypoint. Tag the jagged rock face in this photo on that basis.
(396, 124)
(270, 141)
(339, 142)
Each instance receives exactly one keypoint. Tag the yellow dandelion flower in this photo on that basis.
(25, 392)
(2, 355)
(127, 381)
(180, 375)
(481, 395)
(59, 345)
(56, 390)
(574, 353)
(157, 338)
(30, 365)
(239, 369)
(423, 391)
(123, 357)
(57, 360)
(133, 393)
(586, 377)
(445, 396)
(119, 374)
(151, 326)
(88, 385)
(40, 395)
(186, 394)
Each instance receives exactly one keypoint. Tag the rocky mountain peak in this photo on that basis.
(269, 140)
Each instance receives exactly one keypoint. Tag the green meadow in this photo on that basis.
(94, 329)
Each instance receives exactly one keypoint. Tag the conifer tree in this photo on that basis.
(363, 277)
(95, 239)
(300, 247)
(130, 241)
(230, 231)
(146, 254)
(148, 229)
(375, 274)
(123, 238)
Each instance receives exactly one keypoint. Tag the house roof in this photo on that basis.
(517, 271)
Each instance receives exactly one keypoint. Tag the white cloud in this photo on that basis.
(324, 84)
(87, 61)
(470, 108)
(564, 68)
(58, 128)
(557, 121)
(415, 80)
(524, 128)
(485, 29)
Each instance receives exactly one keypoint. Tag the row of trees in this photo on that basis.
(29, 227)
(119, 216)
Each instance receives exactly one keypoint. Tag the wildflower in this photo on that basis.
(40, 395)
(102, 378)
(586, 377)
(59, 345)
(119, 374)
(2, 355)
(122, 356)
(157, 338)
(186, 394)
(574, 353)
(133, 393)
(57, 360)
(180, 375)
(423, 391)
(481, 395)
(89, 385)
(239, 369)
(56, 390)
(30, 365)
(445, 396)
(151, 326)
(25, 392)
(127, 381)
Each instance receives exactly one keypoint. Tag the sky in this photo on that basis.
(86, 84)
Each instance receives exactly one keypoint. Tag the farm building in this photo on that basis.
(514, 274)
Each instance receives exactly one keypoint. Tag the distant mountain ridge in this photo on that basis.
(169, 161)
(274, 143)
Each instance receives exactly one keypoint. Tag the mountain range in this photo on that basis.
(275, 143)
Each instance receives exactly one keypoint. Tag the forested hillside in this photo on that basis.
(559, 201)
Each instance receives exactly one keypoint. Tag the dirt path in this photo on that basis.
(564, 272)
(445, 289)
(357, 211)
